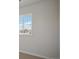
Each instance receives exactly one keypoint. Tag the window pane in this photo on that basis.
(25, 24)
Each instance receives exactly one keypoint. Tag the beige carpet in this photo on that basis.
(26, 56)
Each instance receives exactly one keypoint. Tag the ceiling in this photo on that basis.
(27, 2)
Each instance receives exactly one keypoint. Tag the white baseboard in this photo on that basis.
(33, 54)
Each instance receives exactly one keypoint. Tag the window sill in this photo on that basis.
(25, 34)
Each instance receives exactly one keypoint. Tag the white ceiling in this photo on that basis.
(27, 2)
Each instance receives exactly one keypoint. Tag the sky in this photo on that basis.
(25, 19)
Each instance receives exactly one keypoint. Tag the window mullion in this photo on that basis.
(23, 23)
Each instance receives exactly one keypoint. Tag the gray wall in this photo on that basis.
(45, 30)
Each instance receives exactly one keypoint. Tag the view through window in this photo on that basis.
(25, 24)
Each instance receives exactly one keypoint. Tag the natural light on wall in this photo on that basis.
(25, 24)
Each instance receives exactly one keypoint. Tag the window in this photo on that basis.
(25, 24)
